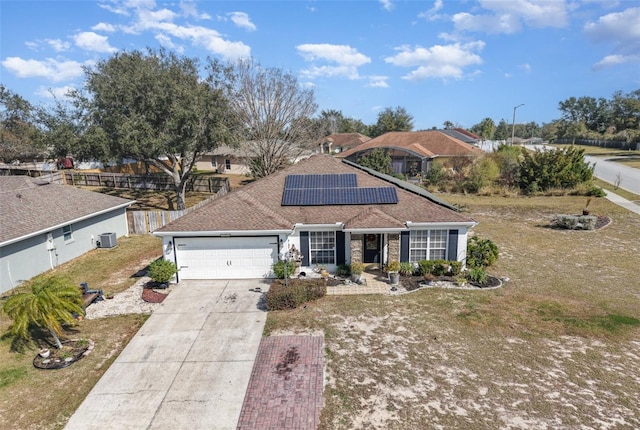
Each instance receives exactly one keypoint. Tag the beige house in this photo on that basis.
(223, 159)
(339, 142)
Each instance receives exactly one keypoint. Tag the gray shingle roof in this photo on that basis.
(257, 206)
(29, 205)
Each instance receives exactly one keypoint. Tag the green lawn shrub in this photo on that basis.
(297, 292)
(481, 252)
(279, 269)
(162, 270)
(406, 268)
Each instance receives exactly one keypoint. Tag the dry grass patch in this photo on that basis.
(150, 199)
(556, 347)
(31, 398)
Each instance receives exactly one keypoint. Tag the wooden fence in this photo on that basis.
(145, 222)
(614, 144)
(53, 177)
(203, 184)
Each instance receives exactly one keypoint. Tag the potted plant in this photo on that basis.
(356, 271)
(429, 278)
(393, 270)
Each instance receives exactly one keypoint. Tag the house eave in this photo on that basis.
(60, 225)
(220, 233)
(374, 230)
(422, 225)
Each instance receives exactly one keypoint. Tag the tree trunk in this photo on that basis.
(55, 337)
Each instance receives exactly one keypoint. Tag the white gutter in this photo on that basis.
(219, 233)
(53, 227)
(299, 226)
(415, 225)
(375, 230)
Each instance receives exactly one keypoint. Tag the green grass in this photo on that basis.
(45, 399)
(619, 191)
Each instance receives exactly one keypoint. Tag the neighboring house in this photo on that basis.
(334, 212)
(412, 152)
(224, 159)
(44, 225)
(339, 142)
(463, 135)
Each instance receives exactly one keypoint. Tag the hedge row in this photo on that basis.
(297, 292)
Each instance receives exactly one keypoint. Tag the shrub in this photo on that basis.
(425, 266)
(481, 252)
(406, 268)
(279, 268)
(393, 266)
(477, 275)
(455, 267)
(162, 270)
(595, 191)
(440, 267)
(575, 222)
(357, 268)
(297, 292)
(542, 170)
(343, 270)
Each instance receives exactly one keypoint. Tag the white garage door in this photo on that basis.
(226, 257)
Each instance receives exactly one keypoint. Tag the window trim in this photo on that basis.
(429, 248)
(312, 249)
(69, 233)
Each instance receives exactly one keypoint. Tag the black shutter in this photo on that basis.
(404, 246)
(304, 248)
(453, 245)
(340, 253)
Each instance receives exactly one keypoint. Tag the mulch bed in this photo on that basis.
(150, 295)
(602, 222)
(72, 351)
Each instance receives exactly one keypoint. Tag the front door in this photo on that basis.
(371, 248)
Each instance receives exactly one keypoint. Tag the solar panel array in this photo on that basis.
(346, 180)
(333, 189)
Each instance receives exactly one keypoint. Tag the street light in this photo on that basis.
(513, 123)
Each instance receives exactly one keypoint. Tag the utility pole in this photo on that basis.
(513, 123)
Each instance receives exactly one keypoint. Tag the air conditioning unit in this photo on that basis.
(107, 240)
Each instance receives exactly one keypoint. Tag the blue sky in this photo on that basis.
(458, 61)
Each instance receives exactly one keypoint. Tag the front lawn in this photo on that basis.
(45, 399)
(555, 347)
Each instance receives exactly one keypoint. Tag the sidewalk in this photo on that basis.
(620, 201)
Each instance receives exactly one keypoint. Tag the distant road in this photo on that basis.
(609, 170)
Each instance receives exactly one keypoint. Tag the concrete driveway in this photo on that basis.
(187, 367)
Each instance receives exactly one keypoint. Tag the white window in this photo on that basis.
(428, 245)
(214, 162)
(322, 247)
(67, 232)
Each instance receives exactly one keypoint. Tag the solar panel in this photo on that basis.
(339, 196)
(344, 180)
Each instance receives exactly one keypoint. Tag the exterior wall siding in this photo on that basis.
(23, 260)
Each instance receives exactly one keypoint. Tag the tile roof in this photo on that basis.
(29, 205)
(430, 143)
(257, 206)
(346, 140)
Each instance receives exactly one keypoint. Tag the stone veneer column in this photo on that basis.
(393, 244)
(356, 248)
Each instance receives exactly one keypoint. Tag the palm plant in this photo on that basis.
(49, 302)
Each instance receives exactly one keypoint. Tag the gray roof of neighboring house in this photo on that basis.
(462, 134)
(258, 206)
(29, 206)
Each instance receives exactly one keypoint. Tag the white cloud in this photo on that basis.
(376, 81)
(508, 16)
(341, 54)
(386, 4)
(448, 61)
(51, 69)
(93, 42)
(166, 42)
(161, 23)
(431, 14)
(56, 92)
(58, 45)
(344, 60)
(242, 20)
(102, 26)
(189, 9)
(526, 67)
(622, 30)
